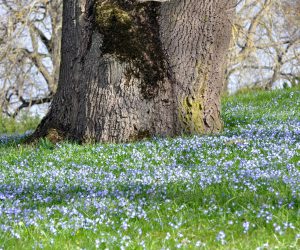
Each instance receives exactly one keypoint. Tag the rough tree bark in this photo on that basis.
(132, 69)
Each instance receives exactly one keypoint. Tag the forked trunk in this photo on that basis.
(132, 70)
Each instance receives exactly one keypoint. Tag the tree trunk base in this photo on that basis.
(133, 70)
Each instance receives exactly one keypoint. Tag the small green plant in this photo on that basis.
(45, 143)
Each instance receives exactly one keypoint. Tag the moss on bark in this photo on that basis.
(131, 34)
(191, 115)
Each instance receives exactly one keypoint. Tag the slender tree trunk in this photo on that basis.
(132, 70)
(56, 19)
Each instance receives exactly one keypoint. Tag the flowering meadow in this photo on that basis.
(236, 190)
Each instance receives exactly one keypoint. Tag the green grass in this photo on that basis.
(184, 193)
(9, 125)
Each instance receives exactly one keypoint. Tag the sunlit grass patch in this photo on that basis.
(23, 123)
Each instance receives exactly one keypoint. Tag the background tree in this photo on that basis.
(131, 70)
(29, 52)
(266, 51)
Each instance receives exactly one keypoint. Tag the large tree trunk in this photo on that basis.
(132, 70)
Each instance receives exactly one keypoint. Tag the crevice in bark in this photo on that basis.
(131, 33)
(139, 135)
(49, 130)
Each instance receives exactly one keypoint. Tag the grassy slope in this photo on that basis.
(238, 190)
